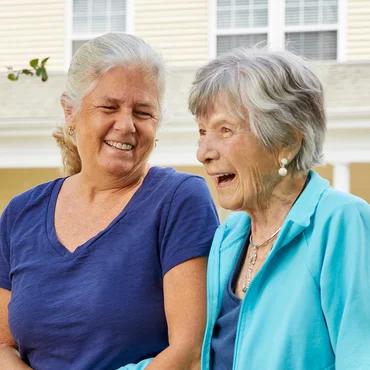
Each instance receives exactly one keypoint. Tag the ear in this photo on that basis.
(289, 152)
(67, 108)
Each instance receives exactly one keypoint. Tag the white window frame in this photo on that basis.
(214, 32)
(69, 37)
(276, 28)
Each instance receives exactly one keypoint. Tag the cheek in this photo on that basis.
(147, 129)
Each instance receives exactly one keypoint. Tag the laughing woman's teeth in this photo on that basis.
(119, 145)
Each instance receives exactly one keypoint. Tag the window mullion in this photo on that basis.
(108, 25)
(232, 13)
(89, 16)
(321, 10)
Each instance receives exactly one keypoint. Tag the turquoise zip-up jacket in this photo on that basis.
(308, 308)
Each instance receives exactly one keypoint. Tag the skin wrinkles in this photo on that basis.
(124, 108)
(228, 145)
(239, 152)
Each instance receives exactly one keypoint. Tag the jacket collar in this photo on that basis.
(297, 220)
(306, 204)
(299, 217)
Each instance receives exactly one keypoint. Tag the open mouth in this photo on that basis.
(121, 146)
(225, 178)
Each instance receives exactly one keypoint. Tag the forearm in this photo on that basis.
(176, 358)
(10, 359)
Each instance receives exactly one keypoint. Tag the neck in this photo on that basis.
(93, 188)
(269, 218)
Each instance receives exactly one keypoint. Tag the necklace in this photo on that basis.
(253, 258)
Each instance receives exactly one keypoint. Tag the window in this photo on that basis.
(311, 28)
(308, 27)
(240, 23)
(92, 18)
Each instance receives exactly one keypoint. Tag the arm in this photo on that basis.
(345, 286)
(9, 356)
(191, 223)
(185, 306)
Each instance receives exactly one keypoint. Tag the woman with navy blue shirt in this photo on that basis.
(105, 268)
(288, 280)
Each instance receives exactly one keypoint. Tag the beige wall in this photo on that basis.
(16, 181)
(32, 29)
(358, 32)
(360, 180)
(177, 29)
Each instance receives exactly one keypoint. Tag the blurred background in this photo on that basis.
(333, 34)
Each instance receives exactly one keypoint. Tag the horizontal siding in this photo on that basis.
(32, 29)
(178, 30)
(358, 36)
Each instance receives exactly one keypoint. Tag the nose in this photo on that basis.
(125, 123)
(207, 151)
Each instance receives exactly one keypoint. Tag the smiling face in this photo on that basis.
(117, 123)
(244, 172)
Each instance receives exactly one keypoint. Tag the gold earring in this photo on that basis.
(155, 143)
(71, 131)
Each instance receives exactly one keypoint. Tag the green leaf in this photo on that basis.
(34, 63)
(44, 75)
(43, 62)
(12, 77)
(27, 72)
(38, 71)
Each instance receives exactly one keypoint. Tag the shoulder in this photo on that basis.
(334, 203)
(179, 183)
(171, 175)
(30, 197)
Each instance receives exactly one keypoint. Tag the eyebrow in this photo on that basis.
(221, 120)
(118, 101)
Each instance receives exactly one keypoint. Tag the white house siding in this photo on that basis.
(179, 30)
(358, 37)
(31, 29)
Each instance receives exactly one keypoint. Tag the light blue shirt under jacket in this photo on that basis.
(308, 308)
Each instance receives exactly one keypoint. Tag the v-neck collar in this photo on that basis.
(50, 217)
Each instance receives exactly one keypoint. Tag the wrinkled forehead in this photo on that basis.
(222, 103)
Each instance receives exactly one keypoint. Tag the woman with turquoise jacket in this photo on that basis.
(289, 273)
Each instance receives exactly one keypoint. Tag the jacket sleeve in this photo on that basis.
(345, 285)
(139, 366)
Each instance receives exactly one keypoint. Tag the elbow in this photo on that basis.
(192, 357)
(195, 363)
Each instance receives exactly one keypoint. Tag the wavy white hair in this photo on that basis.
(88, 65)
(275, 91)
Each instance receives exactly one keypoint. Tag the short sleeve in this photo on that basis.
(4, 253)
(191, 223)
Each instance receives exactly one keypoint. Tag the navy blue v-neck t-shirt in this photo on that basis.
(224, 332)
(102, 306)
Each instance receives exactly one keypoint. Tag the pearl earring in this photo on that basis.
(282, 170)
(71, 131)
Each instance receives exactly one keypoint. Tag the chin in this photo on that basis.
(229, 205)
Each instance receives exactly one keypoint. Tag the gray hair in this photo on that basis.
(275, 91)
(88, 65)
